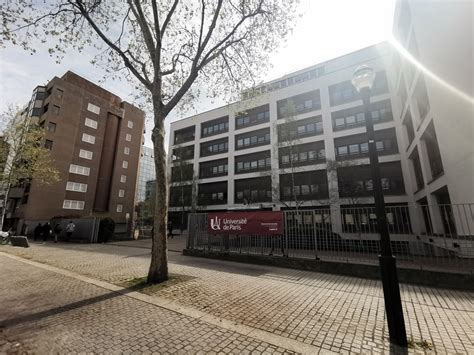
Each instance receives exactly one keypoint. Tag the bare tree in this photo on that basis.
(288, 140)
(167, 47)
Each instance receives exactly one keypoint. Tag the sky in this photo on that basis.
(327, 29)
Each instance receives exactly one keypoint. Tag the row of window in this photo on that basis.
(253, 117)
(354, 117)
(215, 129)
(79, 187)
(310, 101)
(299, 78)
(303, 157)
(259, 138)
(363, 148)
(79, 205)
(360, 187)
(256, 195)
(84, 170)
(300, 190)
(253, 165)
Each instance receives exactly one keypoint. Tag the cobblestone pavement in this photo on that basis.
(337, 313)
(44, 312)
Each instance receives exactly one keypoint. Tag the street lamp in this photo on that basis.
(363, 80)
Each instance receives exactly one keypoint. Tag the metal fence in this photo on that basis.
(437, 237)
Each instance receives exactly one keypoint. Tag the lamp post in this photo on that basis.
(362, 80)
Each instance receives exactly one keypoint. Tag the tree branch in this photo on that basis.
(143, 23)
(168, 18)
(121, 53)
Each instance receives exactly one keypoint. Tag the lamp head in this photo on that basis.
(363, 78)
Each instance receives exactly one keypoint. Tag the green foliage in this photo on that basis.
(24, 155)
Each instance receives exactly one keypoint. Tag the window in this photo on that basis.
(408, 123)
(248, 191)
(184, 135)
(260, 137)
(86, 154)
(305, 185)
(301, 128)
(73, 205)
(214, 147)
(211, 168)
(252, 117)
(123, 178)
(55, 110)
(126, 151)
(91, 123)
(59, 93)
(252, 162)
(76, 186)
(299, 104)
(183, 153)
(342, 150)
(130, 124)
(302, 154)
(121, 193)
(48, 144)
(217, 126)
(88, 138)
(434, 154)
(128, 137)
(415, 158)
(354, 149)
(125, 164)
(357, 180)
(421, 97)
(93, 108)
(356, 145)
(80, 170)
(119, 208)
(354, 117)
(212, 193)
(51, 127)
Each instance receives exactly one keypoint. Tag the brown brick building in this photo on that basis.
(95, 140)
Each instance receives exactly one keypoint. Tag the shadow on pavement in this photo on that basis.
(61, 309)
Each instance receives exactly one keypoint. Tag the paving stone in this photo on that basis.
(327, 311)
(44, 312)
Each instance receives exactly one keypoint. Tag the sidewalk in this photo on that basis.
(177, 243)
(328, 312)
(45, 312)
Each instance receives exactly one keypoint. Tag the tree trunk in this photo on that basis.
(158, 271)
(4, 209)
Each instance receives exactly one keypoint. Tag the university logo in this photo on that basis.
(215, 224)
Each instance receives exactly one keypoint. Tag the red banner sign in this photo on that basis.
(264, 223)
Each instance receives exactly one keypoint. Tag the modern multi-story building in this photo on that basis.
(300, 140)
(95, 140)
(434, 82)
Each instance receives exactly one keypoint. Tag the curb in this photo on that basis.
(274, 339)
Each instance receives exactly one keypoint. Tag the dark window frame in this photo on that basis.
(252, 117)
(253, 139)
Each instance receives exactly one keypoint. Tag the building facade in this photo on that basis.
(146, 172)
(300, 141)
(296, 141)
(434, 82)
(95, 140)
